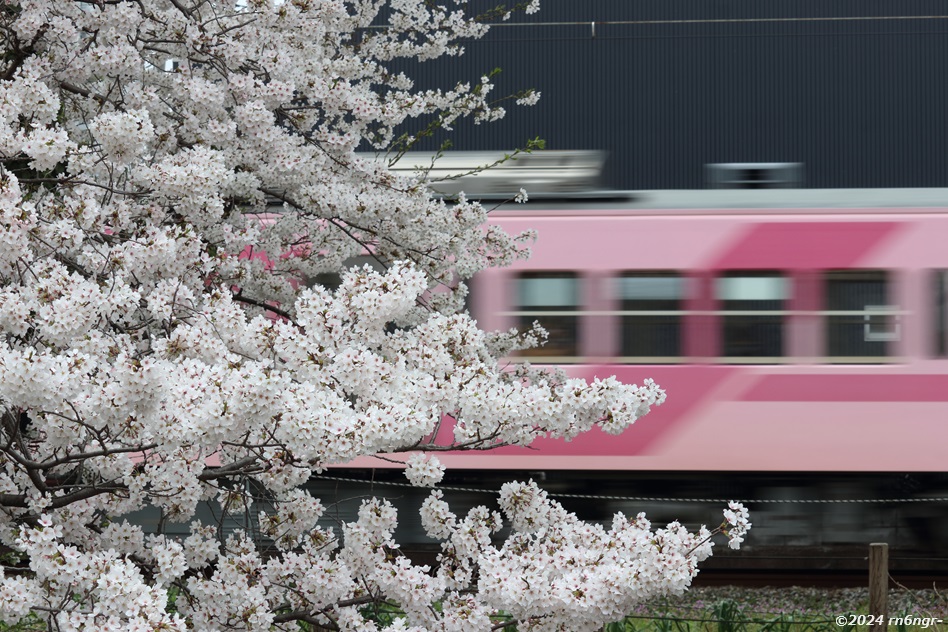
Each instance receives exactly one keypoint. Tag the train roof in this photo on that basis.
(886, 200)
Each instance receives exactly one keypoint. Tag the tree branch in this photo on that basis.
(239, 297)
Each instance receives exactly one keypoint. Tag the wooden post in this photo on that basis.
(879, 583)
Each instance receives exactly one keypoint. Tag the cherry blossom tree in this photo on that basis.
(171, 172)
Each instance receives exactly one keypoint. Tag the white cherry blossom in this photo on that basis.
(424, 470)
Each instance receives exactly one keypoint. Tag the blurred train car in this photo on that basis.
(801, 335)
(798, 330)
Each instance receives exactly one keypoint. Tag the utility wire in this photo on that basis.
(849, 18)
(709, 501)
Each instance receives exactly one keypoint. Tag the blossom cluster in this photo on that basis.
(182, 326)
(736, 524)
(424, 470)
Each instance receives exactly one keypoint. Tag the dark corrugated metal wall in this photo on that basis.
(670, 85)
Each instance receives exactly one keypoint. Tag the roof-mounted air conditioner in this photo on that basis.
(754, 175)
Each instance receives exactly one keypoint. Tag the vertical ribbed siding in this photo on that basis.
(860, 103)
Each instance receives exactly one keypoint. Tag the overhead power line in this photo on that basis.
(853, 18)
(653, 499)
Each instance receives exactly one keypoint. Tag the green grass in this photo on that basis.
(786, 622)
(736, 609)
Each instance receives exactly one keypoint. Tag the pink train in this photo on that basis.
(794, 330)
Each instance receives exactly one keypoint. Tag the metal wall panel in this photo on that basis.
(854, 89)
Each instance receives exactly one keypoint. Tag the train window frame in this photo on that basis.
(567, 315)
(864, 323)
(751, 287)
(654, 307)
(939, 313)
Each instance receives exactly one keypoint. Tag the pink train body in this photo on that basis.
(803, 410)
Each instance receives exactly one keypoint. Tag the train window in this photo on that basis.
(550, 298)
(652, 304)
(859, 321)
(940, 321)
(752, 304)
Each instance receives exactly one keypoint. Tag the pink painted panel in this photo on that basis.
(915, 289)
(590, 242)
(599, 333)
(491, 296)
(804, 245)
(702, 329)
(806, 329)
(920, 245)
(849, 388)
(825, 436)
